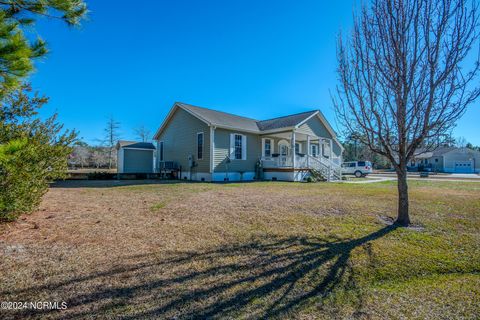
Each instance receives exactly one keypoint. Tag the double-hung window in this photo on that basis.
(314, 150)
(267, 147)
(200, 146)
(238, 146)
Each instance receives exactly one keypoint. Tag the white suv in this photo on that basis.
(357, 168)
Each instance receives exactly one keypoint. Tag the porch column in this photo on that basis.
(308, 151)
(293, 148)
(331, 151)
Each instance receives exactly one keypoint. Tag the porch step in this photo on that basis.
(318, 175)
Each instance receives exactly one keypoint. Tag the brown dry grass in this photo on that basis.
(193, 250)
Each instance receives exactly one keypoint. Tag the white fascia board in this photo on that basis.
(145, 149)
(174, 108)
(309, 117)
(279, 130)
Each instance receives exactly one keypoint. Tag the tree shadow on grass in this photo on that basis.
(265, 278)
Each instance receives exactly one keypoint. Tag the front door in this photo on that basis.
(283, 149)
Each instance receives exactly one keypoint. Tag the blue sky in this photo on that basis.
(259, 59)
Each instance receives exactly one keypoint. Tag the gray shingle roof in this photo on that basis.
(422, 153)
(135, 144)
(284, 122)
(220, 118)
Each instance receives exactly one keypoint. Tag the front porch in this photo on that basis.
(294, 155)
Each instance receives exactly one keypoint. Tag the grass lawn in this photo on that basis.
(276, 250)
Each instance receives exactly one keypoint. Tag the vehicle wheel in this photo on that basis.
(358, 174)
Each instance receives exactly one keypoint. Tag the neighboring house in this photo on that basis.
(447, 159)
(210, 145)
(135, 157)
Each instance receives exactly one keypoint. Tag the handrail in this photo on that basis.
(327, 167)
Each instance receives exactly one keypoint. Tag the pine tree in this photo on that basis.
(16, 51)
(32, 152)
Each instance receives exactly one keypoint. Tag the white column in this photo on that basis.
(212, 150)
(308, 151)
(293, 148)
(331, 150)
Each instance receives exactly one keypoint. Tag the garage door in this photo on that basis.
(464, 166)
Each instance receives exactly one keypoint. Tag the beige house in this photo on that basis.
(447, 159)
(210, 145)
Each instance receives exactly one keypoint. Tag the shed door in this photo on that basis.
(464, 166)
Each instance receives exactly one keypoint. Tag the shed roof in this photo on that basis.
(135, 145)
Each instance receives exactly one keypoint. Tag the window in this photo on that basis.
(326, 150)
(361, 163)
(160, 148)
(267, 147)
(297, 147)
(238, 147)
(314, 150)
(200, 146)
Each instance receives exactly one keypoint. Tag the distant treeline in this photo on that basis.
(86, 156)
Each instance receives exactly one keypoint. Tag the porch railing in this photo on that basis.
(330, 169)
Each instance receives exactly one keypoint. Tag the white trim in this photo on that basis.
(212, 148)
(325, 123)
(144, 149)
(308, 118)
(232, 146)
(233, 176)
(203, 144)
(196, 176)
(293, 146)
(263, 147)
(244, 147)
(170, 114)
(120, 155)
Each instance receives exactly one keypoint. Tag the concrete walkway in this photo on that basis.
(371, 180)
(444, 177)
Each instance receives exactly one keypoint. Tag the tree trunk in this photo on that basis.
(403, 217)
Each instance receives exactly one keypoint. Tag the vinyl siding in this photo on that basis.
(315, 127)
(222, 149)
(180, 140)
(137, 161)
(276, 140)
(461, 155)
(438, 164)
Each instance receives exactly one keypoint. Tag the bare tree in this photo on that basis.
(142, 133)
(100, 157)
(111, 138)
(80, 155)
(403, 79)
(461, 142)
